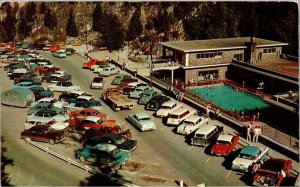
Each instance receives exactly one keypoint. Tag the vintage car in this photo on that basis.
(54, 78)
(224, 145)
(126, 134)
(51, 100)
(66, 96)
(43, 133)
(63, 87)
(156, 102)
(42, 94)
(139, 91)
(43, 66)
(167, 108)
(57, 115)
(118, 79)
(59, 54)
(85, 98)
(51, 123)
(99, 67)
(108, 71)
(142, 121)
(130, 87)
(80, 115)
(248, 156)
(105, 154)
(70, 51)
(25, 85)
(178, 116)
(81, 105)
(91, 122)
(206, 134)
(97, 83)
(269, 173)
(92, 62)
(147, 96)
(44, 106)
(122, 144)
(191, 124)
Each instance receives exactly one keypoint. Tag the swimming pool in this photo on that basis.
(230, 99)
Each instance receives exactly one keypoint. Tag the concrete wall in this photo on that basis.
(266, 56)
(227, 57)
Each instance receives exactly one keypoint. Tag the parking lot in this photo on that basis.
(162, 157)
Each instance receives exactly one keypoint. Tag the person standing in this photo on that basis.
(257, 132)
(207, 110)
(249, 131)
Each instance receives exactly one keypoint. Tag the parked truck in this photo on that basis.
(116, 100)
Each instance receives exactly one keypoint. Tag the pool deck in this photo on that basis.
(270, 137)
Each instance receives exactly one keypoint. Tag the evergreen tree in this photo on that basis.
(162, 22)
(112, 33)
(71, 28)
(43, 8)
(9, 23)
(135, 27)
(23, 26)
(98, 18)
(50, 20)
(30, 11)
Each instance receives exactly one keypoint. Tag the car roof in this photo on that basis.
(150, 91)
(25, 82)
(46, 111)
(89, 110)
(85, 97)
(142, 115)
(47, 99)
(40, 119)
(142, 87)
(192, 118)
(76, 92)
(179, 111)
(250, 150)
(225, 137)
(169, 103)
(205, 129)
(60, 72)
(39, 127)
(42, 105)
(133, 83)
(105, 147)
(98, 78)
(92, 118)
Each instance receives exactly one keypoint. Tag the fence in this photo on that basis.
(84, 167)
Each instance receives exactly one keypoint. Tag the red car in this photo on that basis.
(55, 48)
(91, 122)
(80, 115)
(224, 145)
(92, 62)
(104, 131)
(272, 172)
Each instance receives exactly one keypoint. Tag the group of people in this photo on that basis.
(253, 132)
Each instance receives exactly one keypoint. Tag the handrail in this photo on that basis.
(84, 167)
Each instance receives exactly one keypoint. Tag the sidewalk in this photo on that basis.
(282, 144)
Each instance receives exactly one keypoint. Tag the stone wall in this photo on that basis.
(267, 56)
(227, 57)
(194, 73)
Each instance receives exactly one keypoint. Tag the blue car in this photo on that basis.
(142, 121)
(26, 85)
(248, 156)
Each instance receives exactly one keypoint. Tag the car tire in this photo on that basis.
(82, 159)
(114, 107)
(51, 141)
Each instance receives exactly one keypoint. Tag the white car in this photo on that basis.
(167, 108)
(106, 72)
(60, 73)
(48, 115)
(56, 103)
(191, 124)
(178, 116)
(50, 122)
(97, 82)
(80, 106)
(63, 87)
(97, 68)
(59, 54)
(248, 156)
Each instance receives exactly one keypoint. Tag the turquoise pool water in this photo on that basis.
(228, 98)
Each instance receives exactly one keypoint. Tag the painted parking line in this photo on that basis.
(208, 159)
(229, 173)
(191, 148)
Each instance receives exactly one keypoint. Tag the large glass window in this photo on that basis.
(269, 50)
(209, 55)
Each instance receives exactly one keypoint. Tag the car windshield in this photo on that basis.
(144, 119)
(95, 113)
(223, 142)
(166, 107)
(199, 135)
(188, 123)
(246, 156)
(100, 121)
(115, 151)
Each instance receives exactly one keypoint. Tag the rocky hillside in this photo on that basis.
(166, 20)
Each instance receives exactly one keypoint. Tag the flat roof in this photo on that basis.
(219, 44)
(282, 66)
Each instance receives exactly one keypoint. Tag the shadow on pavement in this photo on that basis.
(5, 177)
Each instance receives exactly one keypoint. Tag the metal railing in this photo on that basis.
(81, 166)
